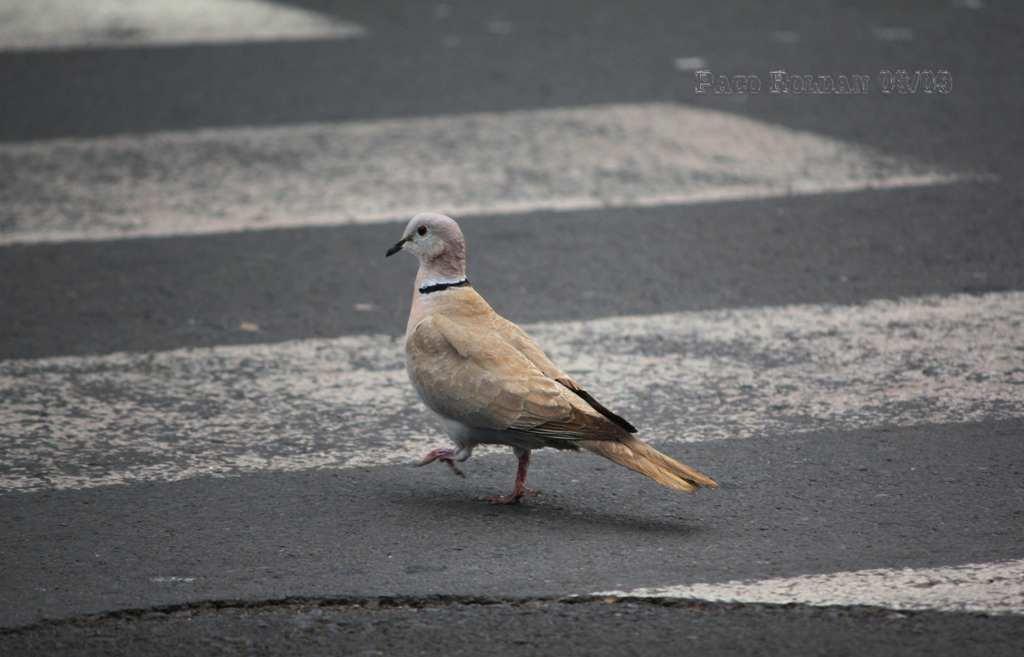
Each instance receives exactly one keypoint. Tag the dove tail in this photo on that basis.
(638, 456)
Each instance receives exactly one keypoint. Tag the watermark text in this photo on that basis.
(781, 82)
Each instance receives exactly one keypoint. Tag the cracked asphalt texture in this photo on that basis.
(534, 627)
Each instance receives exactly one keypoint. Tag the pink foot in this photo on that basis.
(514, 498)
(446, 456)
(504, 499)
(520, 489)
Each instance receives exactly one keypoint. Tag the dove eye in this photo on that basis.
(422, 230)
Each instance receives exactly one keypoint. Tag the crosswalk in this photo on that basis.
(75, 423)
(993, 588)
(494, 164)
(66, 24)
(726, 374)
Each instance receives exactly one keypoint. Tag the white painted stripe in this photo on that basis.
(786, 36)
(74, 422)
(61, 24)
(893, 33)
(690, 63)
(373, 171)
(994, 588)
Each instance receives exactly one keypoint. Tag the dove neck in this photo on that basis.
(440, 273)
(424, 299)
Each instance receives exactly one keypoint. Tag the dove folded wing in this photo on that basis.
(486, 381)
(532, 351)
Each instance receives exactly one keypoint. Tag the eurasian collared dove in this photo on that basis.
(490, 383)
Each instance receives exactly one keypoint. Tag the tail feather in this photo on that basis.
(638, 456)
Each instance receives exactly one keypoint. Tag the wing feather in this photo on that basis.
(482, 380)
(532, 351)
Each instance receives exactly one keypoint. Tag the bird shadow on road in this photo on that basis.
(545, 513)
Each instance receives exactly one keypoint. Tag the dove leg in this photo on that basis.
(446, 456)
(520, 487)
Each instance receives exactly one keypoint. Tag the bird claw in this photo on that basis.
(514, 498)
(504, 499)
(443, 455)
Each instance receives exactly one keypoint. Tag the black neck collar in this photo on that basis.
(437, 287)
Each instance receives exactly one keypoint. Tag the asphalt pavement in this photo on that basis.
(206, 433)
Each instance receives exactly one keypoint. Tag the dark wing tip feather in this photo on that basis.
(599, 407)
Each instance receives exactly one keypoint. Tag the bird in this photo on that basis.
(491, 384)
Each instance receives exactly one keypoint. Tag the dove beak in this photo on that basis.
(397, 247)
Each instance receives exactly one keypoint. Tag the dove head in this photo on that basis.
(438, 243)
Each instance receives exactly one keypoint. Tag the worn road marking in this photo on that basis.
(62, 24)
(233, 179)
(172, 579)
(72, 422)
(995, 588)
(893, 33)
(690, 63)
